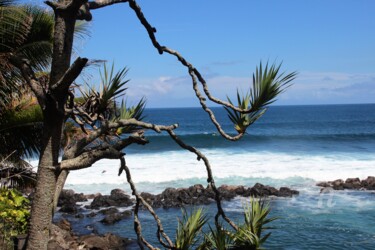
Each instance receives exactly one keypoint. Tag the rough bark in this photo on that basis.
(43, 206)
(48, 169)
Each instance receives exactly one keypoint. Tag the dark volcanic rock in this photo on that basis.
(69, 208)
(287, 192)
(117, 198)
(63, 238)
(198, 195)
(350, 183)
(112, 218)
(68, 196)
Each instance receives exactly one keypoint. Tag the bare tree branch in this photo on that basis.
(193, 72)
(88, 158)
(70, 75)
(103, 3)
(210, 178)
(137, 224)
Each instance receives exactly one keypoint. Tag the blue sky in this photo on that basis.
(330, 43)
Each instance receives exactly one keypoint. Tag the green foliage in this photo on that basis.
(248, 236)
(218, 239)
(188, 229)
(103, 102)
(135, 111)
(14, 213)
(268, 83)
(256, 217)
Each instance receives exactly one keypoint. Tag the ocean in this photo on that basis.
(293, 146)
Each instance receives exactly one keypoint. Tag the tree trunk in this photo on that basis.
(43, 205)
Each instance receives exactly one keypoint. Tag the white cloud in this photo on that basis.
(308, 88)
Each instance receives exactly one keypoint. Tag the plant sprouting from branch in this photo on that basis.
(268, 83)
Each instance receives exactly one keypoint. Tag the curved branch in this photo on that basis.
(103, 3)
(70, 75)
(193, 72)
(210, 178)
(86, 159)
(137, 225)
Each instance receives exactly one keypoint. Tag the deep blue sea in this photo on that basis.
(294, 146)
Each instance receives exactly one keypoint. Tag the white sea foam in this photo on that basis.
(175, 166)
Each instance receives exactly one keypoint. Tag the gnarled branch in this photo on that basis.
(137, 225)
(70, 75)
(88, 158)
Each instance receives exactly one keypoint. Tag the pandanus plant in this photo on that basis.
(268, 83)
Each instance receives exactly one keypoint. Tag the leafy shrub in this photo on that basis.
(14, 213)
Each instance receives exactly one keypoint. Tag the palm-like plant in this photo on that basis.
(249, 235)
(268, 83)
(218, 238)
(25, 32)
(189, 228)
(101, 104)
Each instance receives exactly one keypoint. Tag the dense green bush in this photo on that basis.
(14, 213)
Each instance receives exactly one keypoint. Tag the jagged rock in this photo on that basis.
(287, 192)
(62, 238)
(108, 241)
(350, 183)
(369, 183)
(79, 216)
(114, 217)
(198, 195)
(68, 196)
(117, 198)
(91, 214)
(110, 210)
(69, 208)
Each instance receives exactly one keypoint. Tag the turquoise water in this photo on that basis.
(293, 146)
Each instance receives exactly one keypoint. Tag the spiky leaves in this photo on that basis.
(249, 236)
(268, 83)
(218, 238)
(135, 111)
(101, 104)
(188, 229)
(25, 32)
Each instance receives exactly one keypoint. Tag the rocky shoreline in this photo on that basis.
(350, 184)
(110, 209)
(170, 198)
(62, 237)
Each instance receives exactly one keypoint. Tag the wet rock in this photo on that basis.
(350, 183)
(117, 198)
(68, 196)
(91, 214)
(63, 238)
(69, 208)
(112, 218)
(369, 183)
(287, 192)
(108, 241)
(79, 216)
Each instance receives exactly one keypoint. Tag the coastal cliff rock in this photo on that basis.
(350, 183)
